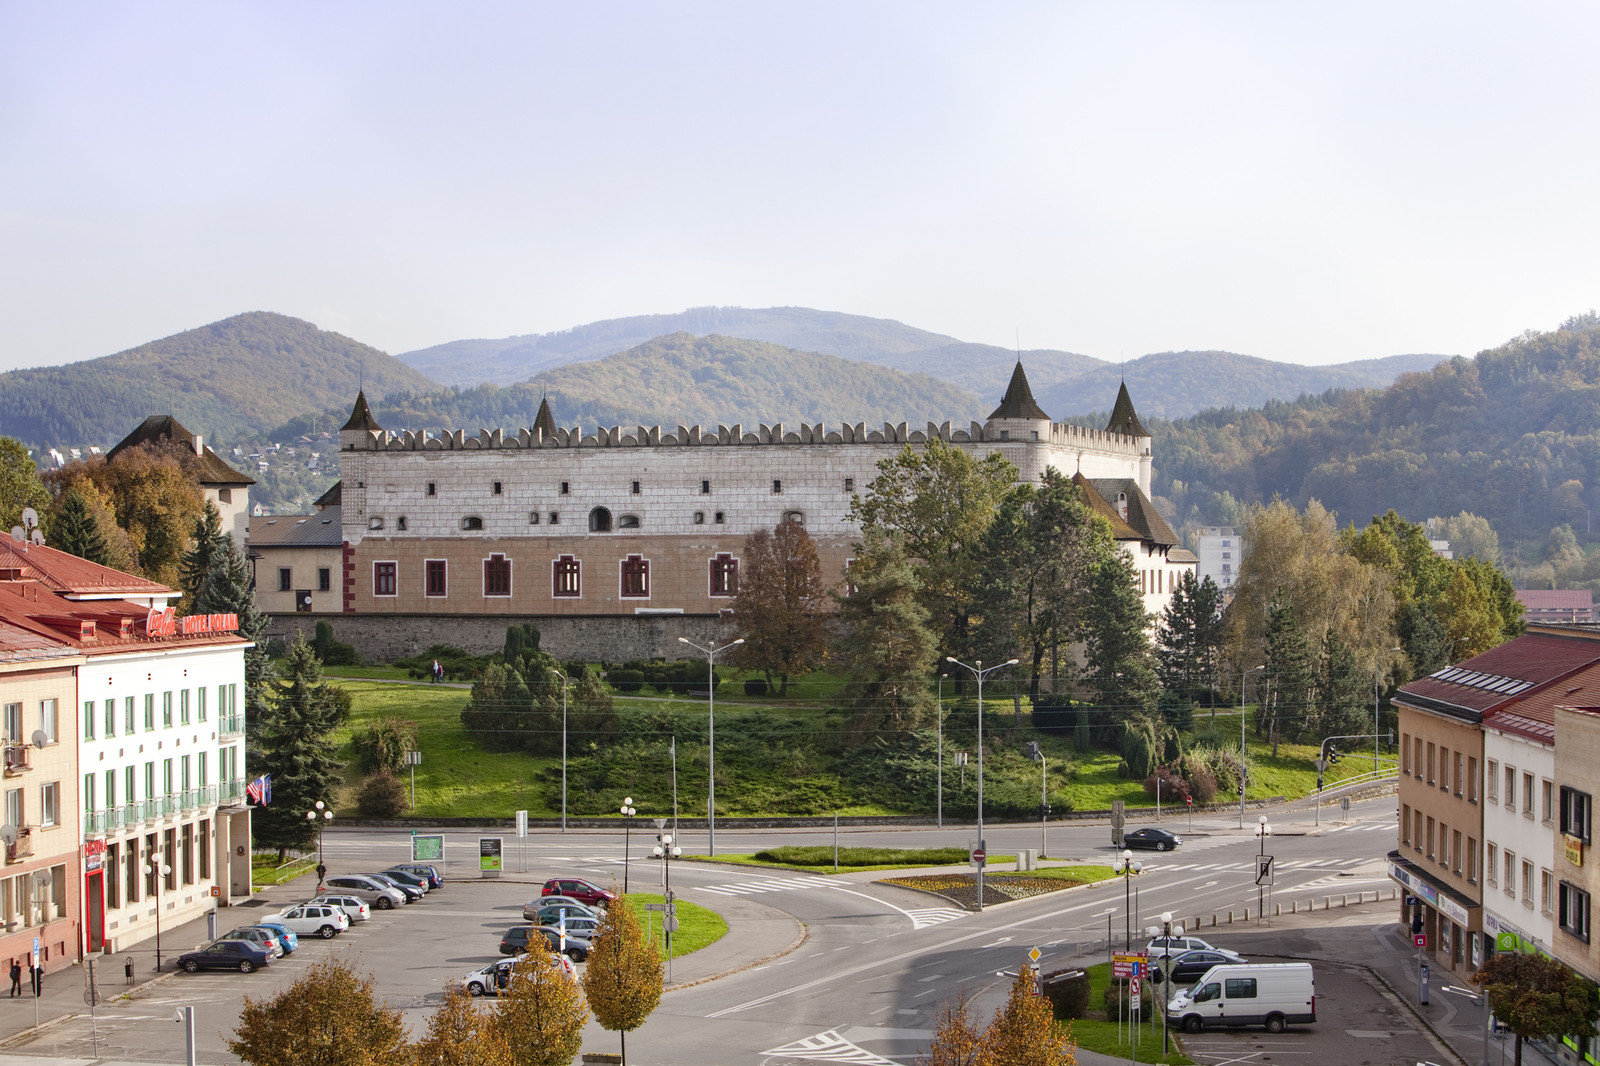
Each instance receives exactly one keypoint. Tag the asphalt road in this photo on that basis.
(876, 964)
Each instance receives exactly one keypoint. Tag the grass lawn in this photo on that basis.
(379, 673)
(1108, 1038)
(264, 868)
(698, 926)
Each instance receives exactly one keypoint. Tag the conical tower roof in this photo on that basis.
(1124, 419)
(1019, 401)
(545, 422)
(361, 415)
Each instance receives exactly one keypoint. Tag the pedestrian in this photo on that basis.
(438, 671)
(322, 873)
(127, 969)
(16, 978)
(38, 981)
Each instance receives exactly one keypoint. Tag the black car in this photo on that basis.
(412, 888)
(1192, 965)
(1156, 839)
(241, 955)
(521, 938)
(427, 871)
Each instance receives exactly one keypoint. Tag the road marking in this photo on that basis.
(927, 916)
(830, 1047)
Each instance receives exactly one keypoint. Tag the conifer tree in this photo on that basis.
(624, 977)
(884, 642)
(1289, 674)
(206, 551)
(1119, 665)
(1189, 639)
(290, 742)
(75, 530)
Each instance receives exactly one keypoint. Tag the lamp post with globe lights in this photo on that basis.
(666, 852)
(711, 654)
(319, 816)
(1125, 865)
(1166, 930)
(156, 867)
(977, 671)
(628, 812)
(1262, 832)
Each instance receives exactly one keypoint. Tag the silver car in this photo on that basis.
(383, 897)
(355, 909)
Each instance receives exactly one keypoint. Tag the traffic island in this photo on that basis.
(962, 888)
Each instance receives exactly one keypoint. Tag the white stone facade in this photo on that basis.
(1221, 552)
(1520, 837)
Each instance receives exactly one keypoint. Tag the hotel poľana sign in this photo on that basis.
(164, 622)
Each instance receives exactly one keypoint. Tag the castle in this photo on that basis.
(616, 541)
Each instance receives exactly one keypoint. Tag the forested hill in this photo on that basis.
(235, 378)
(1173, 384)
(686, 379)
(1512, 434)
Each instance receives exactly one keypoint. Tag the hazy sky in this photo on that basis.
(1309, 183)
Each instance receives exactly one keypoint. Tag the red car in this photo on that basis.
(579, 889)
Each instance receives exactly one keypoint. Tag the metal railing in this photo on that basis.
(231, 725)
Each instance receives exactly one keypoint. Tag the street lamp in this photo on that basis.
(155, 867)
(940, 716)
(1166, 930)
(980, 673)
(563, 678)
(627, 820)
(1125, 865)
(711, 654)
(1262, 832)
(319, 816)
(1242, 678)
(1044, 798)
(666, 852)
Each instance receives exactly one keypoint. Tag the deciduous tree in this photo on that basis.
(1025, 1033)
(956, 1041)
(779, 609)
(623, 979)
(329, 1017)
(459, 1034)
(155, 493)
(1537, 997)
(20, 485)
(541, 1015)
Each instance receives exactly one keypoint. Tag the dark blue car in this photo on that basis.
(241, 955)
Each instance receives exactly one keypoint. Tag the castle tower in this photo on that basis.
(1125, 420)
(357, 436)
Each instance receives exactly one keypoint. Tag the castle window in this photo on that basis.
(636, 488)
(375, 522)
(797, 517)
(285, 579)
(566, 577)
(555, 518)
(472, 523)
(497, 576)
(628, 521)
(400, 523)
(724, 575)
(717, 518)
(533, 518)
(849, 484)
(1005, 434)
(777, 487)
(566, 488)
(1035, 434)
(224, 495)
(699, 518)
(434, 577)
(705, 488)
(324, 579)
(430, 488)
(384, 579)
(599, 520)
(497, 488)
(636, 577)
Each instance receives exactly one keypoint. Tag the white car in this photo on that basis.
(315, 919)
(492, 979)
(354, 909)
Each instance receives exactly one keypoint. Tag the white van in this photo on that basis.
(1232, 994)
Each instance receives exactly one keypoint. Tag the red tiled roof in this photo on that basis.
(1508, 675)
(37, 614)
(1556, 599)
(67, 574)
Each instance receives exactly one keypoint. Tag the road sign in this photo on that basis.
(1033, 956)
(1344, 803)
(1128, 965)
(1188, 801)
(1412, 901)
(979, 855)
(1420, 940)
(655, 907)
(1264, 869)
(522, 824)
(1133, 989)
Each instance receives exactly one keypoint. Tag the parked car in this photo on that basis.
(354, 909)
(241, 955)
(380, 895)
(519, 938)
(545, 909)
(421, 869)
(285, 935)
(585, 927)
(1149, 837)
(260, 936)
(1178, 944)
(416, 881)
(579, 889)
(315, 919)
(492, 979)
(1273, 995)
(411, 892)
(1191, 965)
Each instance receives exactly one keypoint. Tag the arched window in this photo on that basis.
(599, 520)
(797, 517)
(628, 521)
(472, 523)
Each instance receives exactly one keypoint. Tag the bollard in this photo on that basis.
(1344, 900)
(1327, 902)
(1294, 906)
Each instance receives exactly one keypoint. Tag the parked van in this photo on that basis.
(1233, 994)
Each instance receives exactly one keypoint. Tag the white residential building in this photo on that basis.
(1519, 821)
(1221, 552)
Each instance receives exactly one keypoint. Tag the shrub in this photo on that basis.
(333, 652)
(381, 796)
(1174, 789)
(755, 687)
(383, 745)
(625, 680)
(1069, 997)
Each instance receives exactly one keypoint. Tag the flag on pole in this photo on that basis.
(260, 790)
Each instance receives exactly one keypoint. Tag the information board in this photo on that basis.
(427, 848)
(489, 854)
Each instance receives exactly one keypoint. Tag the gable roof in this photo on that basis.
(1143, 521)
(67, 575)
(160, 428)
(332, 498)
(1124, 419)
(321, 530)
(361, 415)
(1527, 674)
(1019, 401)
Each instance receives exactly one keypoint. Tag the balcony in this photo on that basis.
(23, 848)
(99, 823)
(230, 726)
(17, 758)
(232, 793)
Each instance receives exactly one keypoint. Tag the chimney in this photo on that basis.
(199, 445)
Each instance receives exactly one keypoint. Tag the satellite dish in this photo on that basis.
(39, 739)
(30, 518)
(16, 534)
(38, 537)
(8, 833)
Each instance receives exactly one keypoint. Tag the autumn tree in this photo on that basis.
(117, 547)
(779, 610)
(1024, 1032)
(938, 503)
(20, 485)
(884, 643)
(154, 491)
(540, 1018)
(956, 1041)
(623, 979)
(459, 1034)
(329, 1017)
(1537, 997)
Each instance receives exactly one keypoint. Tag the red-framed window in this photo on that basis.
(724, 575)
(497, 576)
(566, 577)
(385, 579)
(434, 574)
(636, 577)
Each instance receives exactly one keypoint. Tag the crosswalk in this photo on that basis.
(1283, 867)
(758, 885)
(1365, 827)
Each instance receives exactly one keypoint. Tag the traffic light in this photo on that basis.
(1033, 750)
(1044, 810)
(1333, 754)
